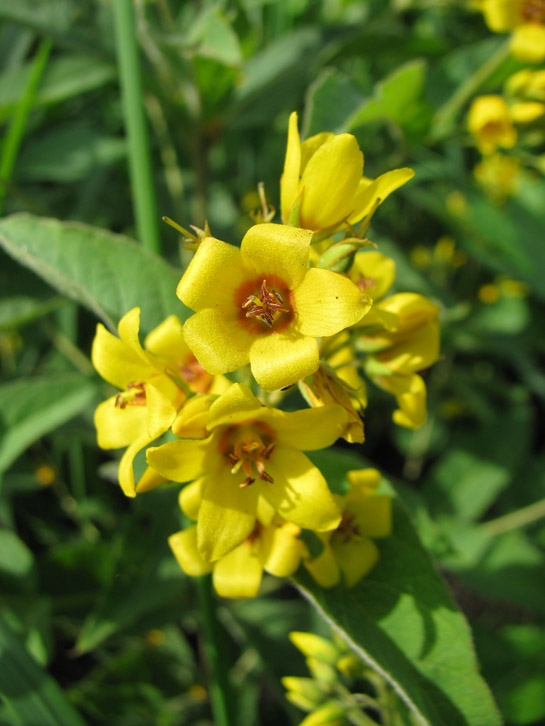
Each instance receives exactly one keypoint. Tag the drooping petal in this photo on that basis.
(276, 249)
(117, 427)
(190, 498)
(299, 492)
(410, 393)
(212, 275)
(308, 429)
(528, 43)
(327, 302)
(150, 480)
(324, 568)
(182, 460)
(116, 361)
(416, 352)
(280, 549)
(330, 181)
(379, 188)
(355, 558)
(166, 341)
(237, 404)
(289, 184)
(184, 546)
(238, 573)
(374, 273)
(280, 359)
(227, 513)
(218, 340)
(125, 472)
(163, 399)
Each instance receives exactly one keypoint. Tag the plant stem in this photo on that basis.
(140, 166)
(220, 689)
(17, 127)
(515, 520)
(467, 90)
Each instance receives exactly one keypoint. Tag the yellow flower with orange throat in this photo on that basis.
(323, 186)
(261, 304)
(525, 19)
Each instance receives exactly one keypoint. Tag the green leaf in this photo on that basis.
(396, 98)
(64, 77)
(107, 273)
(30, 408)
(401, 620)
(53, 14)
(214, 37)
(331, 101)
(33, 698)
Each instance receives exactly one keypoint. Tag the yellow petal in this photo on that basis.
(212, 275)
(412, 311)
(125, 472)
(190, 423)
(276, 249)
(184, 546)
(289, 184)
(330, 182)
(116, 361)
(528, 43)
(163, 398)
(363, 481)
(166, 341)
(308, 429)
(490, 123)
(182, 460)
(410, 392)
(265, 511)
(501, 15)
(128, 329)
(311, 145)
(355, 558)
(238, 573)
(374, 515)
(526, 112)
(280, 359)
(227, 513)
(237, 404)
(327, 302)
(190, 498)
(280, 549)
(416, 352)
(117, 427)
(374, 272)
(324, 568)
(150, 480)
(299, 492)
(368, 194)
(218, 340)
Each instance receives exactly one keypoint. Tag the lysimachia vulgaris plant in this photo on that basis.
(304, 303)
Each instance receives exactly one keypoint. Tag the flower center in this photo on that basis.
(347, 529)
(135, 395)
(265, 304)
(248, 448)
(194, 375)
(366, 283)
(533, 11)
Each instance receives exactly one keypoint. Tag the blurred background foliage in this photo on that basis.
(86, 577)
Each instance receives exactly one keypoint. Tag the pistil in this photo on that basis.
(135, 395)
(251, 454)
(267, 308)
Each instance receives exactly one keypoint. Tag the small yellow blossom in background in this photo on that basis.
(503, 287)
(323, 177)
(45, 475)
(527, 84)
(155, 637)
(499, 176)
(349, 552)
(489, 122)
(456, 204)
(262, 305)
(274, 548)
(525, 19)
(251, 466)
(489, 294)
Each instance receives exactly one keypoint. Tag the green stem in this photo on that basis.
(140, 166)
(17, 127)
(515, 520)
(467, 90)
(220, 689)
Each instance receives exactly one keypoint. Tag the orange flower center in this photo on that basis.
(194, 375)
(265, 303)
(533, 11)
(366, 283)
(248, 447)
(135, 395)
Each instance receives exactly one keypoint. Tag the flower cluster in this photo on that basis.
(300, 303)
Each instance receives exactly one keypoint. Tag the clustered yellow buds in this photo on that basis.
(278, 305)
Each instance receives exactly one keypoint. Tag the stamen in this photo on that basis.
(247, 482)
(135, 395)
(249, 455)
(268, 308)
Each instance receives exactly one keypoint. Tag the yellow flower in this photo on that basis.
(526, 18)
(275, 548)
(251, 464)
(349, 552)
(325, 173)
(149, 400)
(262, 305)
(489, 122)
(499, 176)
(527, 84)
